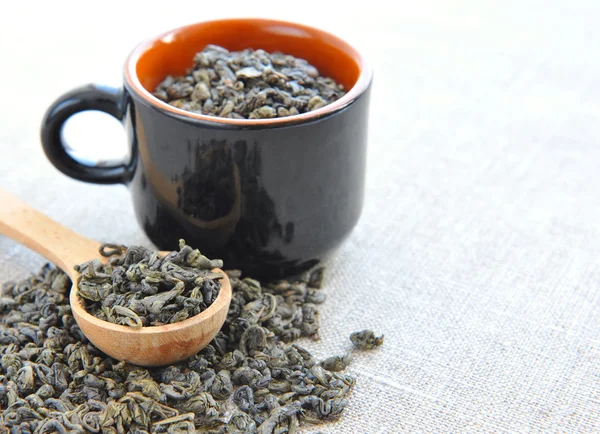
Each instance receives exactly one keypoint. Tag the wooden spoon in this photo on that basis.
(148, 346)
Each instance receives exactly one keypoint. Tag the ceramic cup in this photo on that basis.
(272, 197)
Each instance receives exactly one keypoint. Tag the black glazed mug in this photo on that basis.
(272, 197)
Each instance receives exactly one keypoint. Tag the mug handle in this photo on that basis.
(89, 97)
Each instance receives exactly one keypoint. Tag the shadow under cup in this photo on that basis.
(272, 197)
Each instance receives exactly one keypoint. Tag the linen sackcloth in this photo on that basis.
(478, 251)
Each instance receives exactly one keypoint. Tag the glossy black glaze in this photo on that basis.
(270, 200)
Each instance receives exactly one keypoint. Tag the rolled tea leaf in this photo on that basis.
(366, 340)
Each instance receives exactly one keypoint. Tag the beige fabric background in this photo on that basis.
(477, 254)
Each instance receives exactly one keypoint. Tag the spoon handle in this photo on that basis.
(43, 235)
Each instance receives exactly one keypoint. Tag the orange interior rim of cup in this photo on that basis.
(173, 53)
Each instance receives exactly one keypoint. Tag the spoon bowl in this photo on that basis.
(146, 346)
(154, 345)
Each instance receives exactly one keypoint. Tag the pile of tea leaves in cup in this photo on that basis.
(253, 377)
(248, 84)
